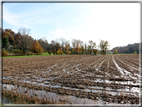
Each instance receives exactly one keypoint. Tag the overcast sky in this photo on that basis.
(118, 23)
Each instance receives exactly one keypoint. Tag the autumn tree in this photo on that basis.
(77, 46)
(66, 46)
(36, 48)
(89, 49)
(74, 45)
(17, 39)
(95, 51)
(58, 47)
(5, 33)
(77, 49)
(10, 35)
(82, 47)
(43, 43)
(104, 46)
(91, 46)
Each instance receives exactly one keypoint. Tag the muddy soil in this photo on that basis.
(107, 77)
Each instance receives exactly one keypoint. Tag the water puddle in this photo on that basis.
(9, 87)
(16, 77)
(35, 76)
(132, 77)
(137, 75)
(41, 79)
(45, 71)
(66, 98)
(127, 73)
(6, 101)
(64, 70)
(117, 77)
(54, 65)
(121, 71)
(118, 82)
(9, 77)
(99, 76)
(47, 82)
(25, 81)
(95, 87)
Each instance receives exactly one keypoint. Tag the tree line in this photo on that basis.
(130, 48)
(24, 42)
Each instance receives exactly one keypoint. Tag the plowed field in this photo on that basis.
(79, 79)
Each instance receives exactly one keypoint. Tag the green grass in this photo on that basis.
(44, 54)
(121, 54)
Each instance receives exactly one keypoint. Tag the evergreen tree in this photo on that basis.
(5, 42)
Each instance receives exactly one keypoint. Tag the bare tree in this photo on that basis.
(85, 48)
(89, 49)
(91, 46)
(82, 47)
(104, 46)
(26, 40)
(67, 44)
(74, 44)
(78, 46)
(62, 41)
(44, 43)
(53, 44)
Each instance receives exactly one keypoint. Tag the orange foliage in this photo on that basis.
(67, 47)
(77, 50)
(37, 48)
(59, 49)
(4, 53)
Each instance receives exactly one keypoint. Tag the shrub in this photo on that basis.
(18, 52)
(11, 50)
(40, 53)
(4, 53)
(49, 52)
(29, 53)
(68, 52)
(135, 52)
(54, 52)
(60, 52)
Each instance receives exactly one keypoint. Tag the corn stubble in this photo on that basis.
(77, 72)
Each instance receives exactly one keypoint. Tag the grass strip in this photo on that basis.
(44, 54)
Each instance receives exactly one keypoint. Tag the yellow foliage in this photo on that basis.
(60, 52)
(95, 51)
(4, 53)
(68, 52)
(59, 49)
(77, 50)
(37, 48)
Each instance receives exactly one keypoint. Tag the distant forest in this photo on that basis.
(23, 43)
(130, 48)
(28, 45)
